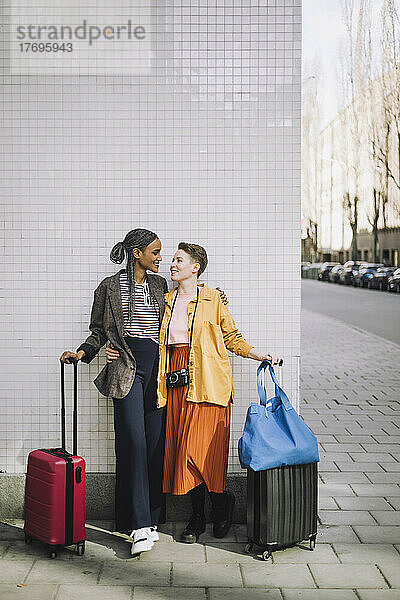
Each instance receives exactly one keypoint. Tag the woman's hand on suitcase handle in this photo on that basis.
(68, 355)
(111, 353)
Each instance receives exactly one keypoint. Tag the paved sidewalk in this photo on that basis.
(351, 399)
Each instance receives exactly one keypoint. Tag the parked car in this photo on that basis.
(334, 274)
(325, 269)
(394, 282)
(364, 274)
(347, 273)
(379, 281)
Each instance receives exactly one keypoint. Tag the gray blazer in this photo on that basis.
(107, 324)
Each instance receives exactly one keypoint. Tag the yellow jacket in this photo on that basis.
(209, 367)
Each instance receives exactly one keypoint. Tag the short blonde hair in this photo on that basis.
(197, 254)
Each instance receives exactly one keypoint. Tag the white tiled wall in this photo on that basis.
(206, 148)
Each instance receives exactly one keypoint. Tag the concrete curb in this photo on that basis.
(100, 497)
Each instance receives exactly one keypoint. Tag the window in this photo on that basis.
(385, 256)
(365, 254)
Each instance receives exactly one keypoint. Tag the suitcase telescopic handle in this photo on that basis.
(75, 412)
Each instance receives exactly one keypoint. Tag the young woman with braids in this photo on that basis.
(195, 332)
(127, 310)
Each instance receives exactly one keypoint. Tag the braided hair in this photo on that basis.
(137, 238)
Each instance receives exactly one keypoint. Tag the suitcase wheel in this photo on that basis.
(80, 548)
(312, 542)
(248, 547)
(28, 539)
(266, 554)
(52, 553)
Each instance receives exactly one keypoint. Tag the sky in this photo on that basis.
(323, 32)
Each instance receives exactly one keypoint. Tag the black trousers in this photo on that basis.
(139, 445)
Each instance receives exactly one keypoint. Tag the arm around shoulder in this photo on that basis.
(233, 339)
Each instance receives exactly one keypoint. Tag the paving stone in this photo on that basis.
(359, 439)
(346, 517)
(382, 439)
(378, 594)
(323, 438)
(374, 489)
(384, 534)
(14, 571)
(277, 576)
(347, 576)
(380, 447)
(78, 571)
(390, 467)
(247, 594)
(345, 477)
(327, 466)
(366, 553)
(319, 595)
(10, 591)
(232, 553)
(375, 457)
(343, 448)
(94, 592)
(384, 477)
(323, 553)
(337, 456)
(192, 553)
(335, 489)
(392, 573)
(164, 593)
(208, 575)
(336, 533)
(326, 503)
(4, 547)
(386, 517)
(364, 503)
(359, 466)
(135, 572)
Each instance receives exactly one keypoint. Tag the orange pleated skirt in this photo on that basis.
(196, 439)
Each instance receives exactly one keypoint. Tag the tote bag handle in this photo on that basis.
(262, 392)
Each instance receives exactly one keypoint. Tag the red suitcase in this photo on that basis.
(55, 490)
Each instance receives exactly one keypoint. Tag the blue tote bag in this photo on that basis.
(274, 435)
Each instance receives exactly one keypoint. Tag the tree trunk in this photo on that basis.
(375, 225)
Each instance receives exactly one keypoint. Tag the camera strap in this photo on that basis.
(191, 328)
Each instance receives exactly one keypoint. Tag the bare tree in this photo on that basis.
(354, 86)
(389, 153)
(311, 192)
(350, 205)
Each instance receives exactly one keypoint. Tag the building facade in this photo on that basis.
(203, 147)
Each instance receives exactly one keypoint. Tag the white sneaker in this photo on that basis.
(142, 540)
(154, 533)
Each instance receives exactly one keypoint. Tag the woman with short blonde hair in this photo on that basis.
(195, 383)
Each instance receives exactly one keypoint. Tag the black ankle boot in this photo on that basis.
(193, 530)
(197, 522)
(223, 505)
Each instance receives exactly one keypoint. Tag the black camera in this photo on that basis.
(177, 378)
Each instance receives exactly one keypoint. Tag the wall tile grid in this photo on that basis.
(205, 148)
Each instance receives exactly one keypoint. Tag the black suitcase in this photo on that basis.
(282, 507)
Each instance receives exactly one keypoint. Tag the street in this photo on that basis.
(370, 310)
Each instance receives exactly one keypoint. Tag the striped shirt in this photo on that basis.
(145, 321)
